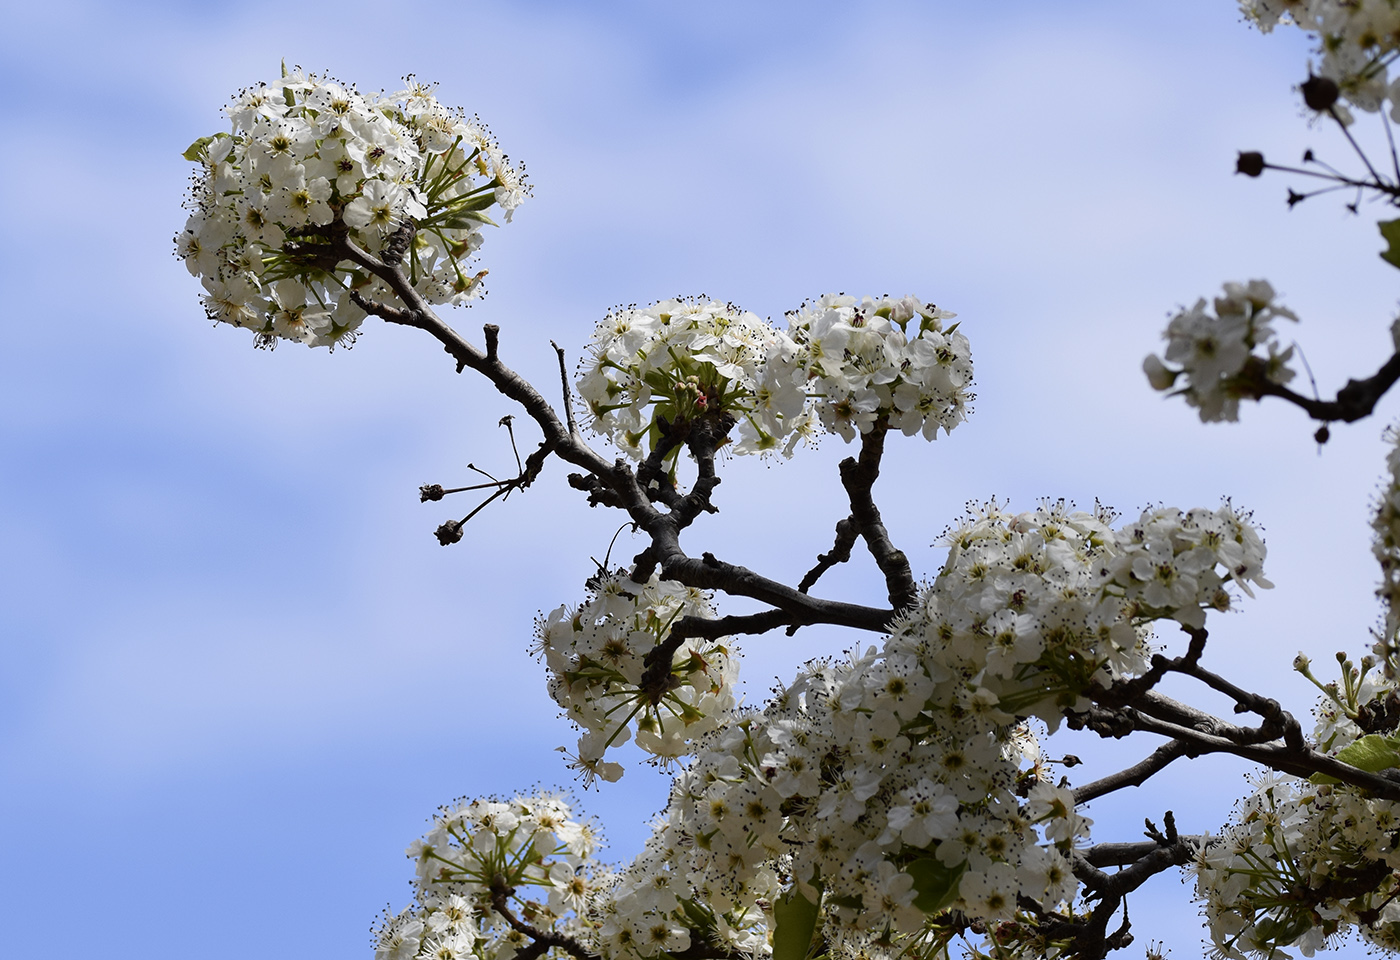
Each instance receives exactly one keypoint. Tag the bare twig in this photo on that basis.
(846, 534)
(568, 394)
(1134, 776)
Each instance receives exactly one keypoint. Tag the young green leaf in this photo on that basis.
(796, 918)
(935, 885)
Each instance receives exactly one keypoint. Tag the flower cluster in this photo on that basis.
(1216, 352)
(480, 851)
(675, 363)
(311, 167)
(596, 659)
(863, 360)
(1356, 42)
(1304, 861)
(901, 783)
(843, 363)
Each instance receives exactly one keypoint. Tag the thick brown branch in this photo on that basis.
(1124, 854)
(703, 440)
(1354, 401)
(858, 476)
(709, 573)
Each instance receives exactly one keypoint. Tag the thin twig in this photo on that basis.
(568, 395)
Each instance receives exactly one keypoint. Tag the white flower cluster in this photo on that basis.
(1356, 42)
(1386, 547)
(679, 361)
(529, 841)
(1216, 352)
(902, 783)
(309, 161)
(843, 362)
(595, 655)
(867, 359)
(1304, 862)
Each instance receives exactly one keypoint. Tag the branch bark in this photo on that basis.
(858, 476)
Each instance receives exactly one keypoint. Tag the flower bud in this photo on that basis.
(1319, 93)
(1158, 375)
(1250, 163)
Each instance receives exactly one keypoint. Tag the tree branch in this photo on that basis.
(659, 660)
(1202, 733)
(1354, 401)
(846, 534)
(1136, 775)
(858, 476)
(709, 573)
(541, 940)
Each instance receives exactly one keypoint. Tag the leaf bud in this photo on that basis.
(1250, 163)
(1319, 93)
(1158, 375)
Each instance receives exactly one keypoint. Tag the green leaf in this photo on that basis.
(935, 885)
(195, 153)
(1371, 753)
(1390, 230)
(796, 918)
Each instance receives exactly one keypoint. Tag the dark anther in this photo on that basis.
(1308, 155)
(449, 533)
(430, 491)
(1250, 163)
(1295, 198)
(1319, 93)
(1323, 435)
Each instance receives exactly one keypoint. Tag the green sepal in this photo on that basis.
(479, 200)
(1284, 930)
(465, 220)
(1390, 230)
(795, 921)
(697, 916)
(1372, 753)
(935, 885)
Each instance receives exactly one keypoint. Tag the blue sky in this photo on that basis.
(239, 673)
